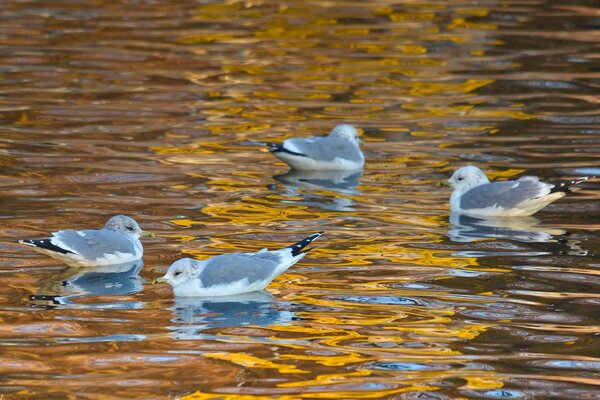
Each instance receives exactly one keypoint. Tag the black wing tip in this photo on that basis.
(45, 244)
(570, 186)
(298, 247)
(277, 148)
(280, 148)
(274, 147)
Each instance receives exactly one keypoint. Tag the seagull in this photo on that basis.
(235, 273)
(116, 243)
(475, 195)
(340, 150)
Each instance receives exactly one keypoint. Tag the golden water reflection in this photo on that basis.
(150, 109)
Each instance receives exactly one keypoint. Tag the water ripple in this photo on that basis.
(149, 110)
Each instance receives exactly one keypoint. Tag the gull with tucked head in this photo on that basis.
(475, 195)
(235, 273)
(118, 242)
(340, 150)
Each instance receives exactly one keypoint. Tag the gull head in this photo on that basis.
(180, 272)
(126, 226)
(466, 178)
(347, 132)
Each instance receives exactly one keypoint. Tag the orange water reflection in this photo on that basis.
(148, 110)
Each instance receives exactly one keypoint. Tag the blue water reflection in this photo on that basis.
(339, 181)
(194, 315)
(464, 228)
(73, 283)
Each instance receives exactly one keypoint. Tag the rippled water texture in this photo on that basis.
(147, 108)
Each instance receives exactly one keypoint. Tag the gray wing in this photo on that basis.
(228, 268)
(95, 243)
(508, 194)
(324, 148)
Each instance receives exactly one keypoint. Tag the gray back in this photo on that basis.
(327, 148)
(228, 268)
(503, 194)
(96, 242)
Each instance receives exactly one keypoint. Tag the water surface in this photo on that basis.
(146, 109)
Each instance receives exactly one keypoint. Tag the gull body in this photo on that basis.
(340, 150)
(117, 242)
(235, 273)
(475, 195)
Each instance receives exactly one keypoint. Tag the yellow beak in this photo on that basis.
(159, 280)
(147, 234)
(444, 183)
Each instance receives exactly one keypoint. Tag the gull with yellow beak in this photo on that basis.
(474, 194)
(340, 150)
(118, 242)
(234, 273)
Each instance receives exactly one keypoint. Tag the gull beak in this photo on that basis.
(147, 234)
(444, 183)
(162, 279)
(361, 142)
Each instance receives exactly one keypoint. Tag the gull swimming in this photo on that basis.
(475, 195)
(118, 242)
(340, 150)
(235, 273)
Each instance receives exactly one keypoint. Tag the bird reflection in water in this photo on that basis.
(344, 182)
(71, 283)
(465, 228)
(194, 315)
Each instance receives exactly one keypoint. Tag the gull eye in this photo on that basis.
(460, 178)
(177, 273)
(129, 228)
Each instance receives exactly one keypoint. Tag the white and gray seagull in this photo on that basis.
(340, 150)
(235, 273)
(475, 195)
(118, 242)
